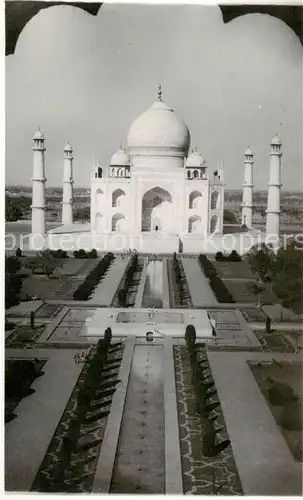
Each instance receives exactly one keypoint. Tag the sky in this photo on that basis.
(85, 79)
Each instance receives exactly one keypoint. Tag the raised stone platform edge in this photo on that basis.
(173, 469)
(106, 460)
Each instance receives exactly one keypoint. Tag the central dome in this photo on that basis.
(158, 131)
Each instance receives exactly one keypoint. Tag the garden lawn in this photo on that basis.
(48, 288)
(288, 373)
(241, 293)
(233, 269)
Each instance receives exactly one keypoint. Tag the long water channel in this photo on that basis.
(140, 460)
(153, 289)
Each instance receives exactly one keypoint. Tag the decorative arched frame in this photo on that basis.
(193, 198)
(194, 222)
(116, 218)
(98, 197)
(151, 199)
(214, 200)
(18, 14)
(117, 197)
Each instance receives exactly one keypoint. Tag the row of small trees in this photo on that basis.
(92, 279)
(219, 288)
(128, 280)
(180, 280)
(204, 388)
(93, 396)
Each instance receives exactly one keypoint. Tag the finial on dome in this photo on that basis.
(159, 93)
(120, 144)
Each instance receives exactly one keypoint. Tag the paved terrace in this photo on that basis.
(200, 290)
(105, 291)
(263, 459)
(27, 437)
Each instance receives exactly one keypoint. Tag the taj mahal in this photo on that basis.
(156, 195)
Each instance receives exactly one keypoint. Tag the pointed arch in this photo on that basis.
(188, 174)
(213, 223)
(194, 198)
(194, 224)
(214, 200)
(156, 209)
(118, 197)
(195, 174)
(118, 222)
(98, 197)
(99, 223)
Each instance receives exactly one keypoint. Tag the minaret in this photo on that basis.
(274, 187)
(247, 200)
(38, 189)
(221, 171)
(67, 200)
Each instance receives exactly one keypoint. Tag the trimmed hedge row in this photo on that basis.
(204, 388)
(92, 279)
(219, 288)
(128, 280)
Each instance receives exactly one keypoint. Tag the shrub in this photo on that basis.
(280, 393)
(93, 254)
(291, 416)
(18, 252)
(190, 335)
(220, 256)
(234, 256)
(58, 254)
(80, 254)
(108, 335)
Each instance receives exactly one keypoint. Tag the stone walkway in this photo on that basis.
(106, 289)
(264, 462)
(200, 290)
(27, 437)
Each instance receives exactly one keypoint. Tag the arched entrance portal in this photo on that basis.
(156, 210)
(99, 223)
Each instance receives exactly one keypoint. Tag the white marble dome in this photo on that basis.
(195, 159)
(160, 131)
(120, 158)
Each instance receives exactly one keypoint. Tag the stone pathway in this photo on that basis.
(264, 462)
(200, 289)
(106, 289)
(140, 457)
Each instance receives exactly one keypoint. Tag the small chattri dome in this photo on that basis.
(195, 159)
(248, 152)
(276, 140)
(120, 158)
(38, 135)
(68, 147)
